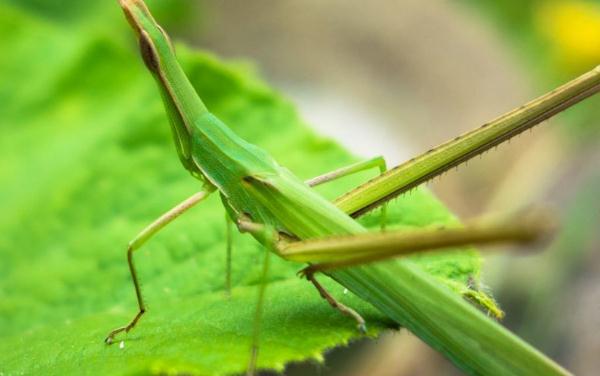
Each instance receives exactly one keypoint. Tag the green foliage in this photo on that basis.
(87, 161)
(87, 11)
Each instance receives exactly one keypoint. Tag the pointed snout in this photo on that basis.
(138, 15)
(155, 45)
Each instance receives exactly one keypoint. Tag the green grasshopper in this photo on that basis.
(291, 219)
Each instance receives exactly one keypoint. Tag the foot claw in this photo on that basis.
(306, 272)
(111, 336)
(108, 340)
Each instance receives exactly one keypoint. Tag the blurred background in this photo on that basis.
(396, 77)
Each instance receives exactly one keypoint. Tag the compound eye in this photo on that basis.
(148, 52)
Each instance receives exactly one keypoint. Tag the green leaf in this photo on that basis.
(88, 161)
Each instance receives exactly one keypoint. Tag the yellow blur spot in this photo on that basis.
(573, 28)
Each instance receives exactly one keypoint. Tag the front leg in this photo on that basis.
(137, 242)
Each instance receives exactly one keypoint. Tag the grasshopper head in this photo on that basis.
(151, 35)
(181, 101)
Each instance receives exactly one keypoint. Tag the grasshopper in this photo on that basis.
(288, 217)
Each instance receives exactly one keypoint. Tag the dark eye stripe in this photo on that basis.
(148, 53)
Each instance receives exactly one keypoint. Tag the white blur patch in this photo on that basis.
(362, 132)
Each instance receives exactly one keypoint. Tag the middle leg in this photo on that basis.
(377, 162)
(344, 309)
(348, 250)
